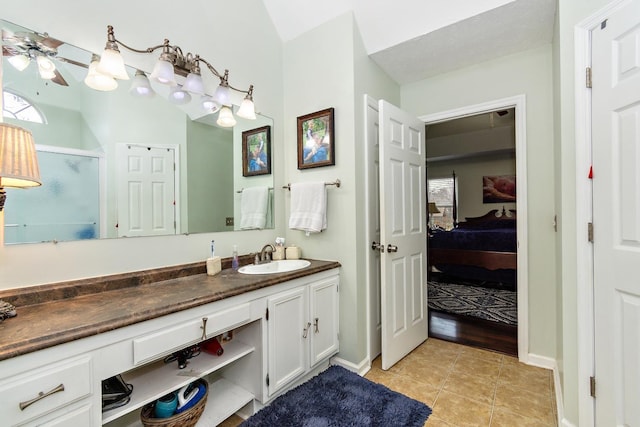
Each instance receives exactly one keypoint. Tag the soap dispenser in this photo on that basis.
(234, 258)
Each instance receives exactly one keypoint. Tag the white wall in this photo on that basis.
(527, 73)
(327, 67)
(226, 34)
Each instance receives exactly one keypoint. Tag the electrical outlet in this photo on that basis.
(229, 221)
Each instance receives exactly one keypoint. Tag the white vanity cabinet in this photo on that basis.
(303, 330)
(282, 330)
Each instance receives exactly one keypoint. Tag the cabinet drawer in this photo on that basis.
(71, 378)
(150, 346)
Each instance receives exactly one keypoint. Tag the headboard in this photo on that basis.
(493, 218)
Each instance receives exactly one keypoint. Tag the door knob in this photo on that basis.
(377, 246)
(392, 248)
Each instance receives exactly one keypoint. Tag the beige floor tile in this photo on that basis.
(530, 378)
(504, 418)
(433, 421)
(232, 421)
(461, 411)
(428, 373)
(479, 353)
(479, 367)
(417, 390)
(525, 403)
(474, 387)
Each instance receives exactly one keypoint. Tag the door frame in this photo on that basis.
(519, 103)
(584, 211)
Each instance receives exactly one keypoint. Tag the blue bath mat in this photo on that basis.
(339, 397)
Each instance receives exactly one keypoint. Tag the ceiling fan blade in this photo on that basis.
(9, 51)
(58, 79)
(50, 41)
(71, 61)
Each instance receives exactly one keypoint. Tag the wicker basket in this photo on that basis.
(188, 418)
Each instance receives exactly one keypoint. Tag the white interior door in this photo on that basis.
(616, 216)
(402, 233)
(372, 171)
(146, 190)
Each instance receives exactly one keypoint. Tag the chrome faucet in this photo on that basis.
(264, 255)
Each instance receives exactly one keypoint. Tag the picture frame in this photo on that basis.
(316, 139)
(498, 188)
(256, 151)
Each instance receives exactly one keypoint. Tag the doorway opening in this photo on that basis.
(472, 240)
(500, 209)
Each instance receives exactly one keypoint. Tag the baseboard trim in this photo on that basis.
(361, 368)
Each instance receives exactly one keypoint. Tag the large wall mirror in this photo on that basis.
(89, 142)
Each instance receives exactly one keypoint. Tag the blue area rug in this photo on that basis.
(339, 397)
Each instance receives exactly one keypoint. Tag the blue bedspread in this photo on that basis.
(490, 239)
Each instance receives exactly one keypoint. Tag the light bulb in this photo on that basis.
(225, 117)
(163, 73)
(209, 104)
(46, 67)
(247, 110)
(112, 64)
(97, 80)
(179, 96)
(20, 62)
(194, 84)
(140, 86)
(221, 95)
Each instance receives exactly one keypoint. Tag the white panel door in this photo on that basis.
(146, 190)
(372, 140)
(402, 233)
(616, 216)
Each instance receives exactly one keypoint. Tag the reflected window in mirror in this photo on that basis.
(17, 107)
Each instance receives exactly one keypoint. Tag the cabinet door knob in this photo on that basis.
(305, 331)
(24, 405)
(317, 330)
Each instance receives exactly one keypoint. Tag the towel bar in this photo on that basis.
(242, 189)
(336, 183)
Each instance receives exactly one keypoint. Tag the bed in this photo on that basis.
(480, 248)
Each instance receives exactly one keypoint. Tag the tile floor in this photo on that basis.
(466, 386)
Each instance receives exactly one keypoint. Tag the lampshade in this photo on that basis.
(225, 117)
(18, 159)
(46, 67)
(163, 73)
(247, 110)
(112, 64)
(140, 86)
(19, 62)
(208, 104)
(221, 95)
(433, 209)
(179, 96)
(194, 84)
(97, 80)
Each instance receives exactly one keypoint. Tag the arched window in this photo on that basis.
(17, 107)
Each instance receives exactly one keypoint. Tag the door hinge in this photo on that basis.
(592, 386)
(590, 232)
(267, 380)
(266, 315)
(588, 77)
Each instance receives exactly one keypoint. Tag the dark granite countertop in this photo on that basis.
(49, 315)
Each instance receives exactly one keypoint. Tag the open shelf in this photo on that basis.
(225, 399)
(156, 379)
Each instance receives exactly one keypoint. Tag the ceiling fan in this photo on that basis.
(24, 47)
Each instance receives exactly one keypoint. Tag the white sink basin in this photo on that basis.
(275, 267)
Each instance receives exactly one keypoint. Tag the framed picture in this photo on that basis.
(316, 142)
(256, 151)
(498, 189)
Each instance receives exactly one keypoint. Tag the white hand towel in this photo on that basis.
(253, 207)
(308, 207)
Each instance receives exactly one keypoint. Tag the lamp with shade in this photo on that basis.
(19, 169)
(433, 209)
